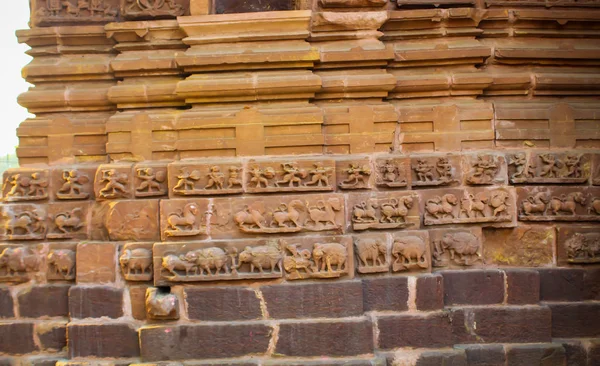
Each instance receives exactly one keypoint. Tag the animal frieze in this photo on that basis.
(559, 203)
(157, 9)
(55, 12)
(322, 257)
(68, 220)
(465, 206)
(22, 185)
(73, 183)
(596, 169)
(150, 180)
(411, 251)
(18, 263)
(290, 176)
(549, 167)
(456, 247)
(434, 171)
(578, 245)
(24, 221)
(286, 214)
(216, 261)
(384, 210)
(372, 253)
(200, 179)
(392, 172)
(354, 174)
(161, 304)
(484, 169)
(135, 261)
(113, 181)
(61, 260)
(184, 219)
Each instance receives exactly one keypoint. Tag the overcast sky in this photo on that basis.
(13, 59)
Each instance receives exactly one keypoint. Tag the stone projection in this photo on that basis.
(305, 182)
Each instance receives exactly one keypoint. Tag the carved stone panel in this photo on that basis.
(383, 210)
(290, 175)
(150, 180)
(354, 174)
(578, 245)
(456, 247)
(114, 181)
(135, 260)
(65, 12)
(552, 203)
(154, 9)
(184, 219)
(68, 220)
(411, 251)
(548, 167)
(435, 170)
(61, 262)
(18, 263)
(318, 257)
(392, 172)
(132, 220)
(200, 179)
(23, 184)
(492, 206)
(596, 170)
(484, 169)
(372, 253)
(161, 304)
(216, 261)
(352, 3)
(73, 183)
(23, 221)
(249, 6)
(323, 213)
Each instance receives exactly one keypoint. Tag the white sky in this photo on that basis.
(13, 58)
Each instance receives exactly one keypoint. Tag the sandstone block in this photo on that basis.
(102, 340)
(39, 301)
(95, 302)
(566, 325)
(430, 292)
(525, 354)
(476, 287)
(561, 284)
(385, 293)
(96, 262)
(17, 338)
(523, 286)
(223, 303)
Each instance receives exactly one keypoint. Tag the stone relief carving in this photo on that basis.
(558, 205)
(484, 170)
(357, 176)
(321, 260)
(61, 264)
(160, 305)
(152, 9)
(387, 214)
(298, 176)
(136, 263)
(16, 262)
(114, 184)
(583, 248)
(24, 222)
(67, 224)
(92, 10)
(205, 179)
(391, 174)
(482, 207)
(433, 172)
(409, 252)
(73, 188)
(26, 186)
(151, 182)
(553, 168)
(461, 248)
(372, 254)
(186, 221)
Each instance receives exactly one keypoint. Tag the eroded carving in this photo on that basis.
(152, 8)
(24, 224)
(409, 252)
(73, 186)
(552, 168)
(136, 264)
(26, 187)
(484, 170)
(291, 177)
(429, 174)
(214, 180)
(67, 224)
(583, 248)
(569, 206)
(82, 10)
(61, 264)
(115, 184)
(17, 262)
(357, 177)
(325, 260)
(462, 248)
(372, 255)
(151, 182)
(186, 221)
(161, 305)
(391, 175)
(481, 207)
(388, 214)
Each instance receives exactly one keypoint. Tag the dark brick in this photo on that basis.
(385, 293)
(431, 330)
(430, 292)
(40, 361)
(52, 336)
(95, 302)
(535, 354)
(509, 324)
(208, 363)
(344, 362)
(7, 361)
(475, 287)
(137, 298)
(561, 284)
(484, 354)
(6, 304)
(249, 6)
(17, 338)
(593, 352)
(314, 300)
(38, 301)
(575, 320)
(102, 340)
(222, 303)
(335, 338)
(575, 351)
(523, 286)
(591, 284)
(442, 358)
(203, 341)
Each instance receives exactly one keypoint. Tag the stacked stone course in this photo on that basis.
(327, 182)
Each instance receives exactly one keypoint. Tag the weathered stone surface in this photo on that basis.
(6, 303)
(522, 286)
(584, 324)
(561, 284)
(473, 287)
(383, 294)
(430, 292)
(223, 304)
(433, 330)
(96, 262)
(102, 340)
(17, 338)
(95, 302)
(523, 246)
(548, 354)
(39, 301)
(52, 336)
(484, 354)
